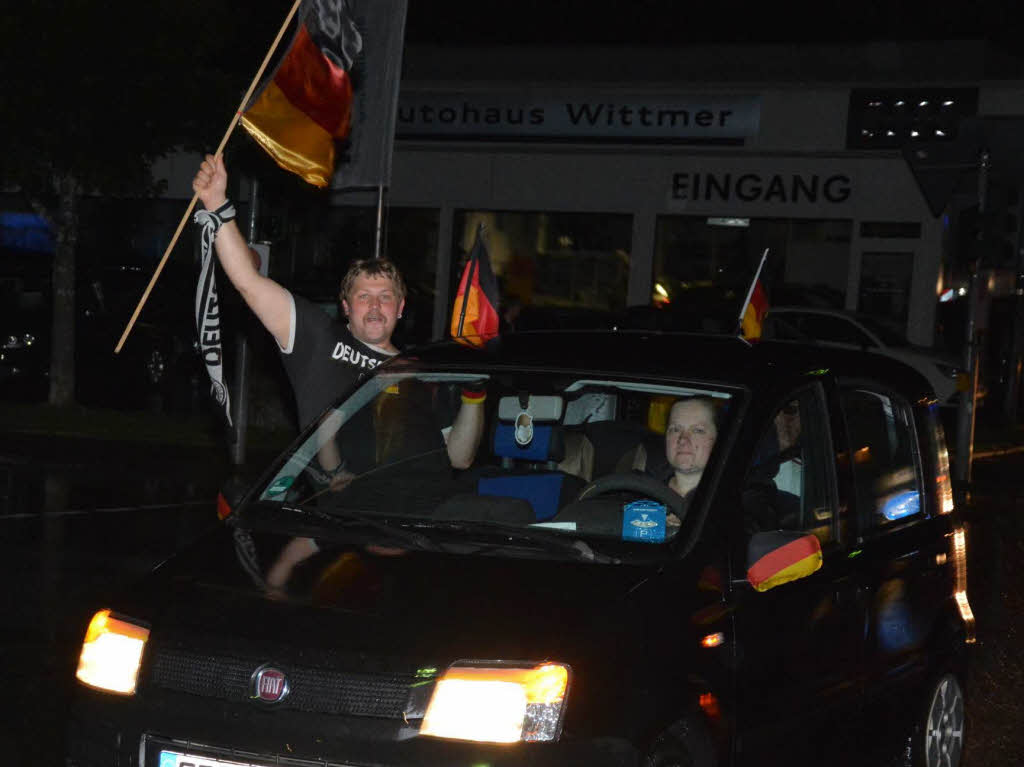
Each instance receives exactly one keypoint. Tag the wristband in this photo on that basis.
(216, 218)
(473, 396)
(226, 212)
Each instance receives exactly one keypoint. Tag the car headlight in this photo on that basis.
(111, 653)
(498, 702)
(18, 340)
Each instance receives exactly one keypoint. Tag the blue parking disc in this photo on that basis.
(643, 521)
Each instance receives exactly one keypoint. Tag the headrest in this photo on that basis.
(544, 407)
(528, 428)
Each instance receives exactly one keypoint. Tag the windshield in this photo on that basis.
(543, 455)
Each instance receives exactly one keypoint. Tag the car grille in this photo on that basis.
(319, 690)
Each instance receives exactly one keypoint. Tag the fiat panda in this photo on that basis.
(664, 549)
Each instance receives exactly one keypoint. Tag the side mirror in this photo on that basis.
(781, 556)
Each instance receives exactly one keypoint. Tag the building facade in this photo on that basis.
(606, 178)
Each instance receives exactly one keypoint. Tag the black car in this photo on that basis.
(558, 602)
(158, 364)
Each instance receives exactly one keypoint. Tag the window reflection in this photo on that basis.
(553, 269)
(703, 266)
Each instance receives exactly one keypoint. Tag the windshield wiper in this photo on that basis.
(352, 518)
(547, 539)
(408, 530)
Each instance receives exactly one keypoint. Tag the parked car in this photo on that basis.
(558, 603)
(861, 331)
(159, 364)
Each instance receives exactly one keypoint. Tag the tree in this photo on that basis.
(93, 94)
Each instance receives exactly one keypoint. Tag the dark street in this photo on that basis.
(80, 517)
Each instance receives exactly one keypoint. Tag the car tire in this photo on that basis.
(938, 736)
(684, 744)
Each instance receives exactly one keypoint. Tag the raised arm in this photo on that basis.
(268, 300)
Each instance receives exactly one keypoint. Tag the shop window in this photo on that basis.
(315, 259)
(703, 266)
(905, 230)
(885, 285)
(553, 269)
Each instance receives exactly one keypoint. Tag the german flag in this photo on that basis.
(475, 311)
(780, 557)
(307, 102)
(753, 315)
(755, 307)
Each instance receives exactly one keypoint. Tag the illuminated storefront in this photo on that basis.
(610, 178)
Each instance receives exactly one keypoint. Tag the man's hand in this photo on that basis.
(211, 182)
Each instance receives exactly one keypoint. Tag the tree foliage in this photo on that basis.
(93, 94)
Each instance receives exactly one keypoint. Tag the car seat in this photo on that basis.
(529, 441)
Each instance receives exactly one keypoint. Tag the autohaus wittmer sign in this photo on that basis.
(451, 115)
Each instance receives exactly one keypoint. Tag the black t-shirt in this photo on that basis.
(325, 359)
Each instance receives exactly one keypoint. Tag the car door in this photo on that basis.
(798, 644)
(903, 547)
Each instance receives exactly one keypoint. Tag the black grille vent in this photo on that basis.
(324, 691)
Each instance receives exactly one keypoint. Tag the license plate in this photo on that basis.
(175, 759)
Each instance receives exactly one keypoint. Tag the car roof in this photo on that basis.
(708, 357)
(813, 310)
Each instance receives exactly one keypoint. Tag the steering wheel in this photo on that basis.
(635, 482)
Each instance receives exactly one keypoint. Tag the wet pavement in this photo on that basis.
(80, 517)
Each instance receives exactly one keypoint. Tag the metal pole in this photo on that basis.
(242, 364)
(442, 277)
(968, 399)
(378, 245)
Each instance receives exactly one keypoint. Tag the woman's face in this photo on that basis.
(689, 436)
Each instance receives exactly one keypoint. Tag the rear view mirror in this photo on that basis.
(781, 556)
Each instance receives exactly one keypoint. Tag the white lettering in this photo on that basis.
(755, 187)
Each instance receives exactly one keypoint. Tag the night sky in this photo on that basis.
(658, 22)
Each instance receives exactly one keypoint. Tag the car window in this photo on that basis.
(610, 459)
(889, 334)
(886, 460)
(789, 482)
(836, 330)
(783, 327)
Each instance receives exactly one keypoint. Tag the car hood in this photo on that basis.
(367, 600)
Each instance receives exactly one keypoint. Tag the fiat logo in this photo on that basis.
(269, 684)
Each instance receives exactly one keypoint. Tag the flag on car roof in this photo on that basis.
(308, 102)
(755, 307)
(475, 311)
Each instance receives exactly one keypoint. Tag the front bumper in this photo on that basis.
(110, 731)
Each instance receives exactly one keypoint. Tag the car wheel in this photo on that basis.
(938, 740)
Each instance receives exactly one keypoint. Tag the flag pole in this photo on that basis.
(195, 197)
(750, 291)
(474, 266)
